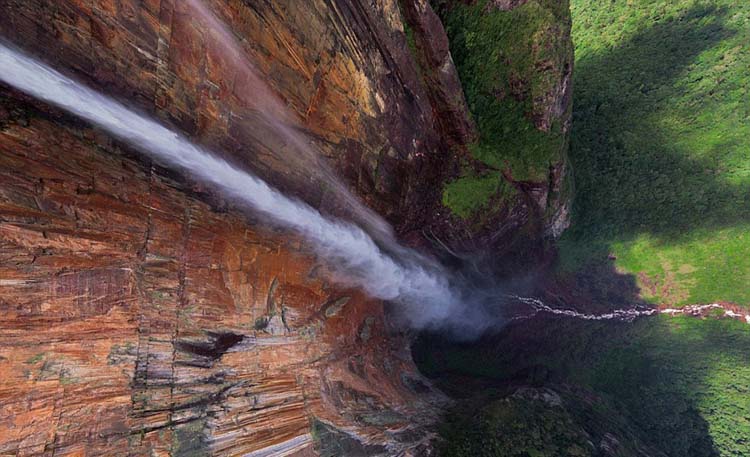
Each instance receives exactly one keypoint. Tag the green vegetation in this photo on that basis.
(507, 61)
(411, 42)
(515, 426)
(660, 151)
(468, 194)
(660, 143)
(681, 385)
(36, 358)
(189, 440)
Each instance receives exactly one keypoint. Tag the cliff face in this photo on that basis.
(515, 60)
(140, 314)
(137, 319)
(342, 67)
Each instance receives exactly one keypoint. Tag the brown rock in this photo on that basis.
(132, 318)
(342, 67)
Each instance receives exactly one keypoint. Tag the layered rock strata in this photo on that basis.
(139, 319)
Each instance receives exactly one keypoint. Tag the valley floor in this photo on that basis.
(660, 141)
(558, 386)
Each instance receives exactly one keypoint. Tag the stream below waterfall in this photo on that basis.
(628, 314)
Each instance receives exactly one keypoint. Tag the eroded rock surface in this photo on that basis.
(342, 67)
(140, 314)
(137, 319)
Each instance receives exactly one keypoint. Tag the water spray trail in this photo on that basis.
(280, 120)
(422, 288)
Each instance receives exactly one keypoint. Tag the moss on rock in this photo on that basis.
(515, 67)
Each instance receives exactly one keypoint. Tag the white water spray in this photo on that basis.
(277, 121)
(421, 288)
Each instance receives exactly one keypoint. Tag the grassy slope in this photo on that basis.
(492, 51)
(681, 385)
(661, 145)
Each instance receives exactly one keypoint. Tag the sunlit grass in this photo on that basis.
(660, 145)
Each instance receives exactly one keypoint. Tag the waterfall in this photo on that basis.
(277, 121)
(427, 297)
(420, 287)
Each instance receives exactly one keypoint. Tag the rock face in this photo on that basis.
(137, 319)
(140, 314)
(429, 43)
(342, 67)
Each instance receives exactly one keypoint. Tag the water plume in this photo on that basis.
(424, 294)
(278, 124)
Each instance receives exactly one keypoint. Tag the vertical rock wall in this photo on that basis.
(137, 319)
(140, 315)
(342, 67)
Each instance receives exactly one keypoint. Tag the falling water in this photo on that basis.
(420, 287)
(277, 121)
(428, 297)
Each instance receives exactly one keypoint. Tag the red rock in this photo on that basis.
(132, 318)
(139, 315)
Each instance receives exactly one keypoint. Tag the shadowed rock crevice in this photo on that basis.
(217, 345)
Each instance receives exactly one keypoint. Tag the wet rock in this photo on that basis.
(365, 331)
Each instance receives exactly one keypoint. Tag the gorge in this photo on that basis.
(350, 228)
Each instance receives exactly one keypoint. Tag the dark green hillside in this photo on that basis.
(680, 386)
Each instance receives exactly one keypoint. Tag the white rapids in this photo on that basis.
(625, 314)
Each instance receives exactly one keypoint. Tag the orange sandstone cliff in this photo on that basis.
(140, 314)
(138, 319)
